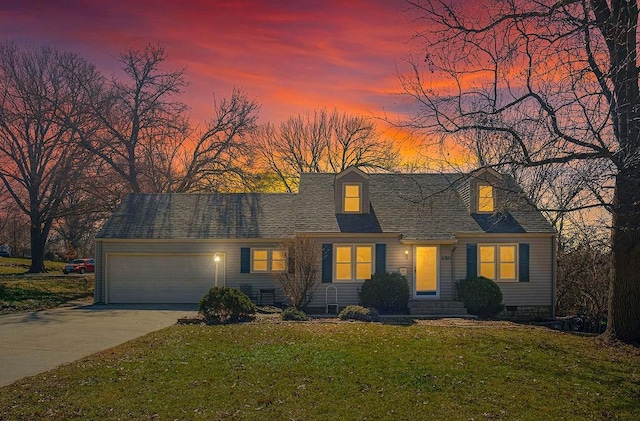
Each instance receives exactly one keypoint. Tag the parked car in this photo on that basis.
(5, 253)
(80, 266)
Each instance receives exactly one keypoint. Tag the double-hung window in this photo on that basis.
(353, 262)
(351, 197)
(267, 260)
(485, 198)
(498, 262)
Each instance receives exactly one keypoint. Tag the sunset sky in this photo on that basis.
(292, 56)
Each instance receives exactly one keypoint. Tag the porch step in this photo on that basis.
(436, 307)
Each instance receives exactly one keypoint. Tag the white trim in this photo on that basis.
(496, 261)
(195, 240)
(429, 242)
(269, 260)
(346, 184)
(367, 236)
(353, 263)
(493, 198)
(461, 235)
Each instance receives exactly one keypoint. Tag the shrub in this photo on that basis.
(222, 305)
(481, 296)
(359, 313)
(3, 290)
(292, 313)
(387, 292)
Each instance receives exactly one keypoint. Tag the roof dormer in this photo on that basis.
(352, 192)
(485, 190)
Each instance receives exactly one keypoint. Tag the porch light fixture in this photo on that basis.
(216, 258)
(406, 253)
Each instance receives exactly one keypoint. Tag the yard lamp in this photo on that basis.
(216, 258)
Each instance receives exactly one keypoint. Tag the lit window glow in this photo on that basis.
(498, 262)
(485, 199)
(349, 270)
(351, 200)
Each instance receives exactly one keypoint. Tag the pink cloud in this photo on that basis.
(290, 55)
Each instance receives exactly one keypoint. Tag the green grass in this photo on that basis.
(344, 371)
(23, 293)
(14, 265)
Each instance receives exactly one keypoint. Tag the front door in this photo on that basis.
(426, 272)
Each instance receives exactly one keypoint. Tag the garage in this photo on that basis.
(161, 278)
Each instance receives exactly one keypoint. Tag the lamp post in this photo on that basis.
(216, 258)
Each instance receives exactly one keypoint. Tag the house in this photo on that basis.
(435, 228)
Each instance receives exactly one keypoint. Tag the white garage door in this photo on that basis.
(146, 278)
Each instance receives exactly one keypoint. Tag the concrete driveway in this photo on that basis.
(31, 343)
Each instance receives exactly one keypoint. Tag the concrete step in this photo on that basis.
(436, 307)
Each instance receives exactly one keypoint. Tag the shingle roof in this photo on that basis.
(201, 216)
(418, 206)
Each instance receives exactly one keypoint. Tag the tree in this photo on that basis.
(221, 154)
(142, 126)
(299, 281)
(557, 81)
(40, 100)
(584, 265)
(322, 142)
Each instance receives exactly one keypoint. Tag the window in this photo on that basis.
(267, 260)
(498, 262)
(277, 261)
(485, 199)
(353, 262)
(351, 198)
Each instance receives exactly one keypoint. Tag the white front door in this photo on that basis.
(426, 272)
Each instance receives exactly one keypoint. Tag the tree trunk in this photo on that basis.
(37, 247)
(624, 291)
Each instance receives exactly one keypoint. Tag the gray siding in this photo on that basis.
(539, 289)
(231, 251)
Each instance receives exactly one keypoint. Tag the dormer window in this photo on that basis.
(351, 198)
(485, 198)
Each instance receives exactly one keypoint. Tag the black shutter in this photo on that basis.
(327, 263)
(381, 258)
(523, 262)
(245, 260)
(472, 260)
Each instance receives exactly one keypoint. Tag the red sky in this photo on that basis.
(292, 56)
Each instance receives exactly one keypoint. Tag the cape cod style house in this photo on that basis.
(434, 228)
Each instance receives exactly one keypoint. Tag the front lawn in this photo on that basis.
(38, 292)
(461, 370)
(16, 265)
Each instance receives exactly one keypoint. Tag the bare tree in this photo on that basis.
(221, 154)
(40, 100)
(323, 142)
(584, 264)
(299, 281)
(142, 125)
(558, 81)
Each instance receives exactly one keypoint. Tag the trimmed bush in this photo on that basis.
(292, 313)
(226, 305)
(481, 296)
(386, 292)
(359, 313)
